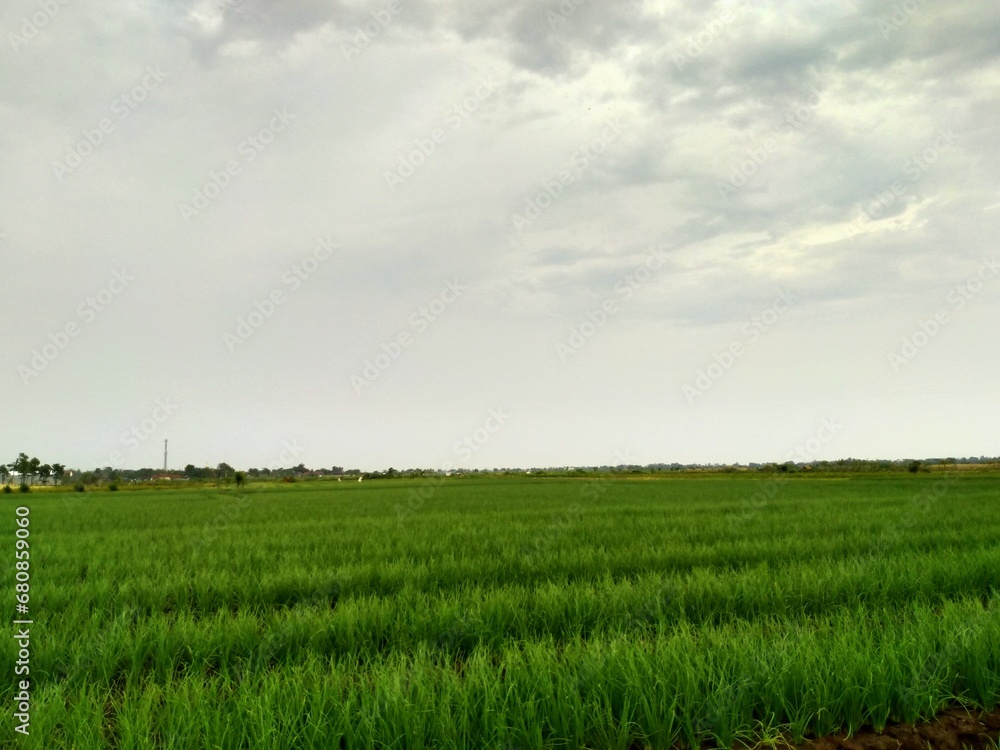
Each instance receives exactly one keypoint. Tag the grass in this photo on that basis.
(508, 614)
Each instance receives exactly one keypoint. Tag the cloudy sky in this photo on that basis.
(498, 233)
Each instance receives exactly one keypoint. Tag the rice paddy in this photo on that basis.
(508, 613)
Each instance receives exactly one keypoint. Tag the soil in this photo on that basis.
(954, 729)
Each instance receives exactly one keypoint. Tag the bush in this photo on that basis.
(24, 488)
(79, 488)
(112, 487)
(6, 489)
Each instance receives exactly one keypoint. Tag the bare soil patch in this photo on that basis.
(954, 729)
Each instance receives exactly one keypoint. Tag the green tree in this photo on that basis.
(193, 472)
(4, 473)
(45, 471)
(58, 471)
(22, 465)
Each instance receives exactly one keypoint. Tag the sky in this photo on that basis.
(429, 233)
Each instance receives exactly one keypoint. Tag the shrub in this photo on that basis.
(24, 488)
(113, 487)
(79, 488)
(6, 489)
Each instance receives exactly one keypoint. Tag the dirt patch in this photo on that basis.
(954, 729)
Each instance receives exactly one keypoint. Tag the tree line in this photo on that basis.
(30, 469)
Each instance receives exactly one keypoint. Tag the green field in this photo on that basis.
(505, 613)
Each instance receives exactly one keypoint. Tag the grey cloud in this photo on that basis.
(699, 89)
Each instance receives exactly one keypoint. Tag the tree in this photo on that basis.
(44, 471)
(58, 471)
(4, 473)
(22, 464)
(33, 466)
(239, 479)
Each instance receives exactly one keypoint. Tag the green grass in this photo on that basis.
(506, 614)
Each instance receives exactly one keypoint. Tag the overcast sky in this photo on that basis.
(498, 233)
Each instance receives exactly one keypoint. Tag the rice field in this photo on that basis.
(507, 613)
